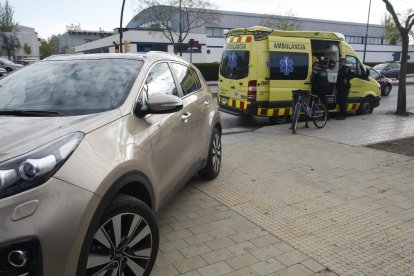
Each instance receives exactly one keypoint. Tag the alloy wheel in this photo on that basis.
(121, 246)
(216, 152)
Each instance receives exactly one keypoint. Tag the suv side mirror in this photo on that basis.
(159, 103)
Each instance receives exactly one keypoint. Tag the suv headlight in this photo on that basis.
(32, 169)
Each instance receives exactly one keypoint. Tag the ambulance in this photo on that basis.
(260, 68)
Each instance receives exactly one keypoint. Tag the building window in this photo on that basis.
(361, 40)
(354, 39)
(215, 32)
(146, 47)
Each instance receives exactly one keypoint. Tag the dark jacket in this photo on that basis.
(344, 78)
(319, 81)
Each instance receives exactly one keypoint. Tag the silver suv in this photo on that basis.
(91, 147)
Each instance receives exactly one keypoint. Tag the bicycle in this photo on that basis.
(315, 111)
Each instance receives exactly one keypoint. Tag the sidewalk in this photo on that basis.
(318, 202)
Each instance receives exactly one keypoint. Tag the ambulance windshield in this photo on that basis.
(235, 64)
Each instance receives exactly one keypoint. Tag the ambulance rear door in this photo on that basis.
(237, 60)
(290, 67)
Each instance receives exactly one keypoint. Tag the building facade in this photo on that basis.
(211, 37)
(72, 38)
(28, 41)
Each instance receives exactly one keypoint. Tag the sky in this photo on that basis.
(51, 17)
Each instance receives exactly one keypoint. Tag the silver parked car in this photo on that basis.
(9, 65)
(91, 147)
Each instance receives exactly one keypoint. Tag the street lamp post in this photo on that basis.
(120, 27)
(366, 32)
(180, 37)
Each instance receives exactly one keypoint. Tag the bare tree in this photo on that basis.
(285, 21)
(404, 24)
(163, 16)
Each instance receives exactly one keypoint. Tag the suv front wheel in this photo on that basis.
(212, 169)
(126, 240)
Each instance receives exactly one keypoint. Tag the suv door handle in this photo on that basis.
(185, 116)
(306, 83)
(233, 87)
(206, 102)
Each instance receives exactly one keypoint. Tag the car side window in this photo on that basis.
(185, 78)
(374, 74)
(160, 81)
(196, 77)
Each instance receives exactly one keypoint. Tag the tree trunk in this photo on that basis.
(402, 95)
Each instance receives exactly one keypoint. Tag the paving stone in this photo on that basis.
(201, 229)
(267, 252)
(167, 270)
(178, 235)
(244, 236)
(242, 248)
(172, 246)
(217, 256)
(247, 271)
(267, 267)
(168, 258)
(242, 261)
(196, 239)
(215, 269)
(205, 219)
(194, 250)
(295, 270)
(219, 243)
(291, 257)
(191, 273)
(265, 240)
(190, 264)
(243, 226)
(313, 265)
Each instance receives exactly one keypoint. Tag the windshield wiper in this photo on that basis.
(30, 113)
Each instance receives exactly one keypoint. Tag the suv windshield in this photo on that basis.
(70, 87)
(235, 64)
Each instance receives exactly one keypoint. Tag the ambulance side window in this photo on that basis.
(355, 66)
(289, 66)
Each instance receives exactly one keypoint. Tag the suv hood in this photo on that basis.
(22, 134)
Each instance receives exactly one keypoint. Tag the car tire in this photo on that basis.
(387, 90)
(212, 169)
(126, 240)
(8, 70)
(367, 106)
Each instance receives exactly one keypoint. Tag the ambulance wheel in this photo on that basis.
(278, 120)
(212, 169)
(366, 107)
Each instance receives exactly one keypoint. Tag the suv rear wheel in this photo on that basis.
(126, 240)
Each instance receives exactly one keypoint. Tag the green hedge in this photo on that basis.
(410, 66)
(210, 71)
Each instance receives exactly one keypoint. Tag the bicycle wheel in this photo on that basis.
(295, 117)
(320, 115)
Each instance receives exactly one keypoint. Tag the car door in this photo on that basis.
(199, 103)
(358, 83)
(170, 134)
(290, 59)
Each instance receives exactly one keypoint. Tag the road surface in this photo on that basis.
(236, 124)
